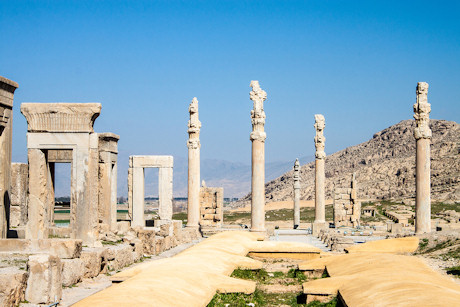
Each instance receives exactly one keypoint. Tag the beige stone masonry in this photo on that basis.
(211, 207)
(19, 188)
(136, 184)
(7, 88)
(347, 208)
(60, 117)
(63, 132)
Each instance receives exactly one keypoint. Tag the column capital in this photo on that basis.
(422, 111)
(320, 140)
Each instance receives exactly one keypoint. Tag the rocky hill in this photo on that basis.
(384, 166)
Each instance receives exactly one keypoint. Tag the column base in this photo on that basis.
(261, 233)
(318, 226)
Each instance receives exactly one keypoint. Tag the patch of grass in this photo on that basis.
(299, 275)
(61, 221)
(452, 254)
(111, 243)
(261, 276)
(331, 303)
(438, 207)
(259, 298)
(180, 216)
(423, 243)
(234, 216)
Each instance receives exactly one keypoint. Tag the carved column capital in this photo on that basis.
(422, 111)
(320, 139)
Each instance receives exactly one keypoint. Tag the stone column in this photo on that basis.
(137, 188)
(320, 155)
(296, 193)
(7, 88)
(165, 193)
(422, 134)
(258, 136)
(193, 144)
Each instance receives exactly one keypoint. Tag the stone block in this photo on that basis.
(119, 256)
(166, 229)
(147, 238)
(64, 248)
(15, 216)
(44, 285)
(13, 284)
(159, 245)
(94, 261)
(72, 271)
(177, 228)
(123, 227)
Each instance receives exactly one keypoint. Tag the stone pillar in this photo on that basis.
(7, 88)
(137, 187)
(296, 193)
(258, 136)
(165, 193)
(39, 204)
(422, 134)
(19, 188)
(320, 155)
(193, 144)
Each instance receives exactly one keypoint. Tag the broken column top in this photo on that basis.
(7, 88)
(258, 96)
(422, 111)
(60, 117)
(320, 140)
(296, 170)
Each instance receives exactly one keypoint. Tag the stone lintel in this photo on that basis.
(151, 161)
(60, 117)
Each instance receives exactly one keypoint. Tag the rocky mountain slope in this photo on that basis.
(384, 166)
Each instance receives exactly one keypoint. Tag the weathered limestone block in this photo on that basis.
(19, 188)
(119, 256)
(166, 229)
(94, 261)
(13, 284)
(167, 243)
(123, 227)
(159, 245)
(72, 271)
(63, 248)
(147, 238)
(7, 88)
(45, 280)
(177, 228)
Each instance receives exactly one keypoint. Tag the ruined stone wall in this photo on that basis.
(347, 208)
(211, 207)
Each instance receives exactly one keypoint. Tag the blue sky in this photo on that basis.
(356, 62)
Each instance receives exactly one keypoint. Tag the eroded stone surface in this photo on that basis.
(13, 284)
(45, 279)
(193, 144)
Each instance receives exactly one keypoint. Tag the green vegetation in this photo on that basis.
(423, 243)
(259, 298)
(111, 243)
(180, 216)
(61, 221)
(453, 253)
(438, 207)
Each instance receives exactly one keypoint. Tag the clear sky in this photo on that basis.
(356, 62)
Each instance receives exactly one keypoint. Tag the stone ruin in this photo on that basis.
(347, 208)
(7, 88)
(136, 184)
(63, 133)
(211, 209)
